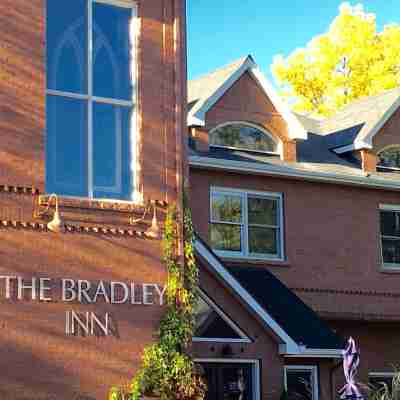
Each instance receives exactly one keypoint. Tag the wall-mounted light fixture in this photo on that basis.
(56, 224)
(154, 230)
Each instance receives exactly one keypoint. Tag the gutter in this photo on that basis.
(286, 172)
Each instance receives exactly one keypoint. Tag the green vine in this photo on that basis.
(167, 370)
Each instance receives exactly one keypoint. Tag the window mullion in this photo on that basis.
(90, 101)
(245, 228)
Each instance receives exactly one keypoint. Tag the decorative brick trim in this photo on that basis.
(97, 230)
(352, 316)
(119, 206)
(19, 189)
(347, 292)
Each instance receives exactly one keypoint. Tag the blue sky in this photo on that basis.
(220, 31)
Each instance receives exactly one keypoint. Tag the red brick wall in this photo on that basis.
(22, 92)
(331, 240)
(246, 101)
(38, 360)
(389, 134)
(161, 94)
(264, 348)
(162, 100)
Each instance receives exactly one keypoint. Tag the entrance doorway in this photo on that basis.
(231, 380)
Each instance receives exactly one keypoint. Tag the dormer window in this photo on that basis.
(243, 136)
(389, 158)
(91, 96)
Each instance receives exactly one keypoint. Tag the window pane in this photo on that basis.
(390, 223)
(66, 147)
(391, 251)
(263, 240)
(67, 45)
(226, 208)
(209, 324)
(377, 382)
(262, 211)
(226, 237)
(390, 157)
(242, 136)
(299, 385)
(112, 51)
(112, 176)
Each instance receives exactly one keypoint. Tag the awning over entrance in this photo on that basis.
(295, 317)
(299, 329)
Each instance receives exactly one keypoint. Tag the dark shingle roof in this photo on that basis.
(300, 322)
(357, 119)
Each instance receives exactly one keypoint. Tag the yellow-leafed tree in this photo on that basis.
(350, 61)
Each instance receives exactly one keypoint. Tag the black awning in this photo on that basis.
(297, 319)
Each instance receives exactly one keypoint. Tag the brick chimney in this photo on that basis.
(289, 151)
(200, 137)
(368, 160)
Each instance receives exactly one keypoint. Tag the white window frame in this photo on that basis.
(91, 99)
(313, 369)
(380, 375)
(391, 146)
(244, 253)
(256, 382)
(243, 337)
(387, 266)
(278, 143)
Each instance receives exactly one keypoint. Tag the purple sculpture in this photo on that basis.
(351, 360)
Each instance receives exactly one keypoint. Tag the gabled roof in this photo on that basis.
(298, 328)
(362, 119)
(205, 91)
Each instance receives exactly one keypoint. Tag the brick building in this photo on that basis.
(296, 219)
(302, 219)
(92, 97)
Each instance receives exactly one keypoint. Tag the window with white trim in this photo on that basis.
(381, 380)
(91, 64)
(213, 325)
(390, 235)
(246, 223)
(389, 158)
(301, 382)
(243, 136)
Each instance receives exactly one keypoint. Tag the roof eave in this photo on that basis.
(251, 168)
(287, 346)
(197, 115)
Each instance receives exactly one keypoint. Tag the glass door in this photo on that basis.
(229, 381)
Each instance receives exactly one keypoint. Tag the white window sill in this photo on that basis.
(390, 268)
(251, 259)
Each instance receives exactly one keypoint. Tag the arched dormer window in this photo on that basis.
(389, 158)
(243, 136)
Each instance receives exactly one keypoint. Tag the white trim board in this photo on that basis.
(252, 168)
(197, 115)
(287, 346)
(381, 374)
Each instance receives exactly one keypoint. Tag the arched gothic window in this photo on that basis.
(244, 136)
(389, 158)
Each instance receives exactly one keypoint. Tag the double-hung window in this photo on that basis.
(390, 235)
(90, 110)
(246, 223)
